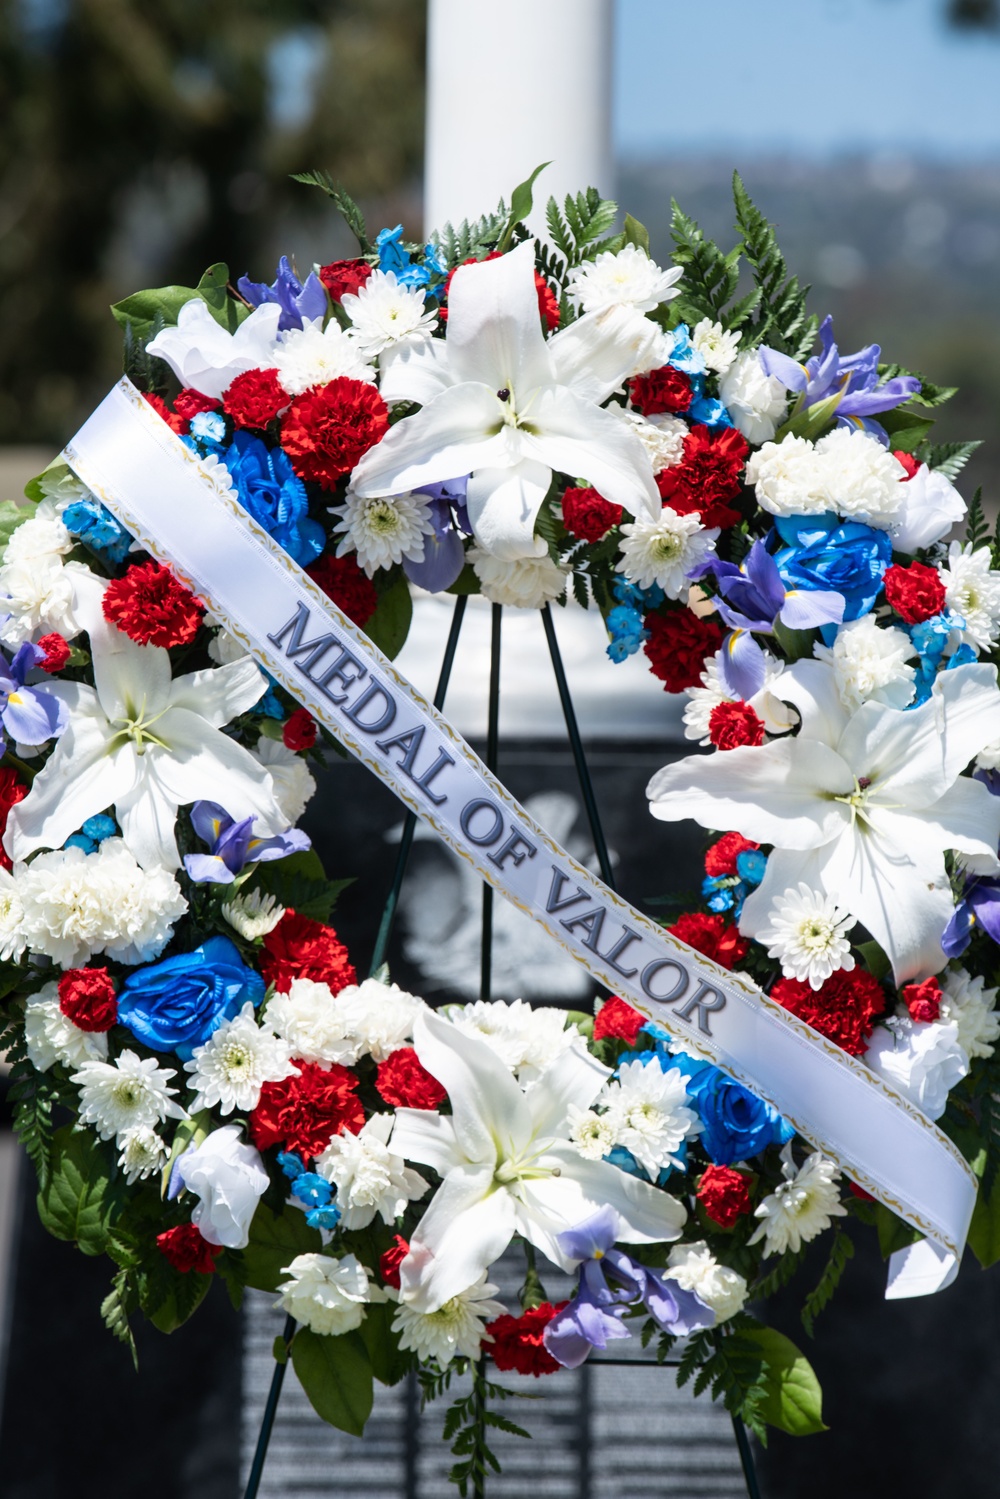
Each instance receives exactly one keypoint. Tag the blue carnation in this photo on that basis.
(176, 1005)
(97, 528)
(736, 1124)
(822, 552)
(271, 491)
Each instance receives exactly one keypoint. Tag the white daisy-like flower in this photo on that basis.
(627, 278)
(871, 663)
(368, 1177)
(805, 933)
(385, 313)
(802, 1206)
(378, 1017)
(969, 1005)
(695, 1268)
(649, 1114)
(253, 915)
(130, 1092)
(325, 1294)
(12, 939)
(756, 401)
(664, 551)
(972, 590)
(593, 1134)
(383, 530)
(314, 355)
(52, 1037)
(313, 1024)
(662, 435)
(718, 346)
(456, 1330)
(294, 786)
(142, 1153)
(235, 1063)
(525, 1037)
(523, 583)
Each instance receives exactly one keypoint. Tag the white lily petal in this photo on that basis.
(597, 353)
(79, 780)
(428, 1137)
(202, 763)
(573, 1077)
(503, 504)
(575, 437)
(132, 681)
(787, 868)
(467, 1226)
(966, 819)
(648, 1215)
(487, 1105)
(811, 687)
(147, 814)
(494, 326)
(222, 693)
(414, 372)
(460, 430)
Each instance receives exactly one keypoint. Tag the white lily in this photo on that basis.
(861, 806)
(502, 403)
(146, 744)
(508, 1165)
(205, 357)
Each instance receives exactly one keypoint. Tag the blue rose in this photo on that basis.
(735, 1123)
(275, 496)
(177, 1004)
(822, 552)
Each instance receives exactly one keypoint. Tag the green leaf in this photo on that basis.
(170, 1302)
(466, 582)
(390, 624)
(796, 644)
(907, 429)
(389, 1364)
(142, 309)
(977, 531)
(929, 394)
(300, 881)
(115, 1308)
(947, 458)
(876, 960)
(275, 1240)
(352, 215)
(214, 289)
(521, 201)
(893, 1233)
(78, 1203)
(792, 1399)
(984, 1231)
(811, 420)
(781, 317)
(841, 1251)
(337, 1377)
(636, 233)
(12, 515)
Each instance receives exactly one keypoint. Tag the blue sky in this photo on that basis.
(812, 78)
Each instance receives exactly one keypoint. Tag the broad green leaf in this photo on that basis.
(12, 515)
(796, 644)
(793, 1400)
(275, 1240)
(521, 198)
(893, 1233)
(213, 288)
(636, 233)
(142, 308)
(79, 1202)
(907, 429)
(466, 582)
(811, 421)
(337, 1377)
(389, 1365)
(180, 1302)
(876, 959)
(300, 881)
(390, 624)
(984, 1231)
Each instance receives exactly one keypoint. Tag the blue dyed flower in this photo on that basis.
(291, 1164)
(92, 834)
(708, 412)
(684, 356)
(296, 299)
(97, 528)
(833, 556)
(312, 1190)
(271, 491)
(392, 257)
(735, 1123)
(176, 1005)
(626, 622)
(930, 638)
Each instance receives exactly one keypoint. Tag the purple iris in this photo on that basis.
(980, 901)
(29, 715)
(854, 377)
(444, 554)
(234, 845)
(297, 301)
(593, 1317)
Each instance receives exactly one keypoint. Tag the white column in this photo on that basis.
(511, 83)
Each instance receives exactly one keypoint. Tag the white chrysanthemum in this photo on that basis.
(455, 1330)
(294, 787)
(787, 477)
(62, 487)
(664, 551)
(756, 401)
(972, 590)
(253, 915)
(327, 1295)
(702, 701)
(718, 346)
(695, 1268)
(142, 1153)
(592, 1134)
(378, 1017)
(662, 435)
(968, 1004)
(523, 583)
(235, 1063)
(314, 355)
(870, 662)
(648, 1111)
(368, 1177)
(525, 1037)
(383, 530)
(12, 940)
(126, 1094)
(923, 1060)
(384, 312)
(313, 1024)
(861, 478)
(42, 537)
(76, 904)
(803, 1206)
(629, 278)
(805, 932)
(52, 1037)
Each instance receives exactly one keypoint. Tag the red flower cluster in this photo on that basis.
(191, 403)
(843, 1009)
(588, 515)
(304, 1113)
(617, 1019)
(299, 733)
(548, 302)
(327, 430)
(517, 1341)
(174, 421)
(255, 398)
(343, 277)
(665, 389)
(12, 791)
(342, 580)
(733, 724)
(724, 1194)
(404, 1082)
(721, 858)
(152, 607)
(677, 646)
(708, 475)
(186, 1250)
(298, 948)
(908, 461)
(56, 648)
(708, 933)
(390, 1261)
(923, 1000)
(87, 997)
(915, 592)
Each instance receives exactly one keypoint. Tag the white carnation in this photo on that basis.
(293, 785)
(327, 1295)
(972, 590)
(39, 538)
(755, 401)
(523, 583)
(805, 932)
(38, 596)
(662, 435)
(664, 551)
(383, 530)
(861, 478)
(648, 1111)
(368, 1177)
(718, 346)
(695, 1268)
(870, 663)
(378, 1017)
(51, 1036)
(235, 1063)
(384, 313)
(628, 278)
(12, 939)
(225, 648)
(802, 1207)
(129, 1093)
(968, 1004)
(313, 1024)
(314, 355)
(923, 1060)
(787, 477)
(525, 1037)
(455, 1330)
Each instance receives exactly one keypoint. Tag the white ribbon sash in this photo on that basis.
(187, 517)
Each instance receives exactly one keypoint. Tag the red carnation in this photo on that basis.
(518, 1341)
(665, 389)
(326, 431)
(908, 461)
(299, 733)
(255, 398)
(721, 857)
(588, 515)
(152, 607)
(678, 645)
(304, 1113)
(186, 1250)
(175, 422)
(724, 1194)
(923, 1000)
(350, 588)
(617, 1019)
(57, 652)
(860, 1193)
(733, 724)
(707, 476)
(341, 277)
(192, 403)
(87, 997)
(843, 1009)
(708, 933)
(915, 592)
(12, 791)
(298, 948)
(390, 1261)
(404, 1082)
